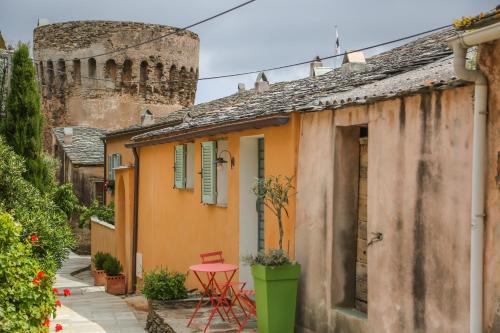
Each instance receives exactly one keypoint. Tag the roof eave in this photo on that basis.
(256, 123)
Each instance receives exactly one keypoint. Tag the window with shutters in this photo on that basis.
(114, 161)
(221, 188)
(208, 172)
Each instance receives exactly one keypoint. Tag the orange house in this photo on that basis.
(195, 193)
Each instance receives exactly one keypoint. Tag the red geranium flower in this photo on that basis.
(46, 323)
(34, 238)
(36, 281)
(58, 302)
(59, 327)
(40, 275)
(67, 292)
(55, 290)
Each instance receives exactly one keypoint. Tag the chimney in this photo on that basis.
(68, 135)
(147, 118)
(314, 64)
(241, 87)
(353, 62)
(261, 84)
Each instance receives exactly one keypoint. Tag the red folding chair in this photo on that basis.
(237, 292)
(244, 298)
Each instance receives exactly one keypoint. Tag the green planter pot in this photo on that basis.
(276, 297)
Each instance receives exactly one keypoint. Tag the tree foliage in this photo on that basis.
(274, 191)
(22, 126)
(35, 211)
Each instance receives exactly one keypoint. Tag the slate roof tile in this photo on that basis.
(86, 148)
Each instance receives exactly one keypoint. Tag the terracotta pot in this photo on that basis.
(99, 277)
(115, 285)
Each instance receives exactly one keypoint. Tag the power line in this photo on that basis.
(166, 35)
(277, 67)
(324, 58)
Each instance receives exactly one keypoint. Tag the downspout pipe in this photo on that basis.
(460, 44)
(135, 219)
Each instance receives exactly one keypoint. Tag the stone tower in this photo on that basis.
(81, 86)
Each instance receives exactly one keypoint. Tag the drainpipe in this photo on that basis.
(460, 44)
(135, 222)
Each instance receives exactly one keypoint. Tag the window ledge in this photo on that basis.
(221, 205)
(350, 320)
(350, 312)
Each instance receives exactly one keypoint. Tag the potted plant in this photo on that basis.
(275, 275)
(115, 280)
(99, 274)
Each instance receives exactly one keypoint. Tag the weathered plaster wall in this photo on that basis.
(174, 227)
(489, 63)
(160, 75)
(419, 180)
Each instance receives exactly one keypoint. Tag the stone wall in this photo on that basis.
(80, 86)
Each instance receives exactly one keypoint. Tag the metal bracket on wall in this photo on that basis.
(377, 237)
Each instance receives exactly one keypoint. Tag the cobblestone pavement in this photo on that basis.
(89, 309)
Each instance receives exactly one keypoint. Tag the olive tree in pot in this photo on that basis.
(99, 274)
(275, 275)
(115, 280)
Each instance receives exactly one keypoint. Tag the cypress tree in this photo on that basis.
(23, 123)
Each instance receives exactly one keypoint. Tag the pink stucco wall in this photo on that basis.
(419, 181)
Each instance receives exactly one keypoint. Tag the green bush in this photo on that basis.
(272, 258)
(35, 211)
(104, 213)
(64, 197)
(163, 285)
(100, 258)
(26, 296)
(112, 266)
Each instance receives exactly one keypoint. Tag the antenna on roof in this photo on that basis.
(337, 46)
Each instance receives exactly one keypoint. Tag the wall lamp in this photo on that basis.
(220, 161)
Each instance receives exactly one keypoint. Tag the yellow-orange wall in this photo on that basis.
(175, 227)
(102, 239)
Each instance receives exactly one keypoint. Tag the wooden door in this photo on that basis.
(362, 221)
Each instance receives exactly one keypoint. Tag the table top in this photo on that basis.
(211, 268)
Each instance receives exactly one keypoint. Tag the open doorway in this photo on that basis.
(251, 211)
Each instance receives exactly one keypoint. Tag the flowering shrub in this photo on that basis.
(26, 296)
(35, 211)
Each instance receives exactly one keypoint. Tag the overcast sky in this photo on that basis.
(266, 33)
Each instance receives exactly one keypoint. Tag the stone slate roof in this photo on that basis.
(435, 75)
(171, 118)
(86, 148)
(300, 95)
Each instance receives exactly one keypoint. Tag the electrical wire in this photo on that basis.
(277, 67)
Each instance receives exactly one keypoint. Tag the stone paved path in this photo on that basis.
(89, 309)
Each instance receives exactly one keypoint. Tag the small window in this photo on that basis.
(222, 154)
(114, 161)
(92, 68)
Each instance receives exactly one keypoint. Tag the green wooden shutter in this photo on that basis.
(110, 167)
(208, 172)
(180, 166)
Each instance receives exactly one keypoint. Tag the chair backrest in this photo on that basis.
(212, 257)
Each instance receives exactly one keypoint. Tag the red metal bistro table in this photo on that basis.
(212, 286)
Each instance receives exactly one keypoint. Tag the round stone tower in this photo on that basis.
(83, 83)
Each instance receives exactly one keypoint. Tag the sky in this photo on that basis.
(266, 33)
